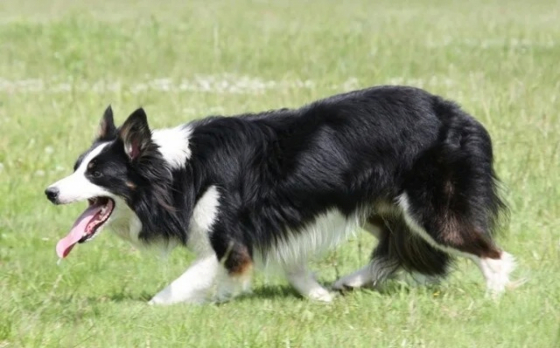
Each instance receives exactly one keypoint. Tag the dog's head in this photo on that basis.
(107, 175)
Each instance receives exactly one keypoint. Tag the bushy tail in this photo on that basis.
(468, 168)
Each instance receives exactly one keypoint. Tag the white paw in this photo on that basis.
(361, 277)
(166, 297)
(348, 282)
(321, 294)
(163, 297)
(156, 302)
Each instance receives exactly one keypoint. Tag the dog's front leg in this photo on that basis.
(193, 286)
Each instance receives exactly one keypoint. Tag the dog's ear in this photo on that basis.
(135, 134)
(107, 129)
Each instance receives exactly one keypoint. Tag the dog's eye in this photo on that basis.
(96, 174)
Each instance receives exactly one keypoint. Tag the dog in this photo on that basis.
(272, 190)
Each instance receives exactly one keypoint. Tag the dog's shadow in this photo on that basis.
(262, 292)
(270, 292)
(122, 296)
(273, 292)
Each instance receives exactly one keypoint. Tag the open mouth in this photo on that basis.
(100, 217)
(87, 225)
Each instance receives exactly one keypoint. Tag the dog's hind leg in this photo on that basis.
(304, 282)
(458, 237)
(450, 200)
(380, 268)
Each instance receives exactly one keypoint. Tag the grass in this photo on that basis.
(63, 61)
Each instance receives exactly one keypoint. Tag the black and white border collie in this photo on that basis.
(274, 189)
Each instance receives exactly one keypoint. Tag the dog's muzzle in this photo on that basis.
(52, 194)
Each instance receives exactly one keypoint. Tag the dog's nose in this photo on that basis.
(52, 194)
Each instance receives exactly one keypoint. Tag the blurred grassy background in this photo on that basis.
(62, 62)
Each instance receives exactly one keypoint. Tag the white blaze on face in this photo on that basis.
(77, 187)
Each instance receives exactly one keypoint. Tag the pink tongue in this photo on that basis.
(65, 245)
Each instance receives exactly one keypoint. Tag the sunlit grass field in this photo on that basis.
(62, 62)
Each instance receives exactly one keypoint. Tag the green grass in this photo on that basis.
(62, 62)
